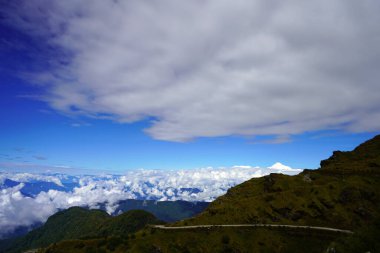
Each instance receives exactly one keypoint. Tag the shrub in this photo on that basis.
(225, 239)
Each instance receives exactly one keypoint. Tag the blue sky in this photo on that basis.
(163, 95)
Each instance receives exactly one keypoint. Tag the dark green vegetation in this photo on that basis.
(168, 211)
(343, 194)
(365, 239)
(205, 240)
(80, 223)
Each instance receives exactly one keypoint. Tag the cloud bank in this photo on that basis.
(211, 68)
(20, 207)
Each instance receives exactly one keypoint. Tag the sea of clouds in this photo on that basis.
(27, 199)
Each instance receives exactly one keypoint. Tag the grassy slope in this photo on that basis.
(204, 240)
(344, 193)
(168, 211)
(306, 199)
(126, 223)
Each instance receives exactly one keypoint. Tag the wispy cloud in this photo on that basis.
(80, 124)
(21, 150)
(280, 139)
(39, 157)
(30, 167)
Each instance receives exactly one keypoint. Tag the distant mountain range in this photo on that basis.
(31, 189)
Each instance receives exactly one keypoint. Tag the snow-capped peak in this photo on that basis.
(280, 166)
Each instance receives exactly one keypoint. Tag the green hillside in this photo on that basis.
(204, 241)
(343, 194)
(77, 222)
(168, 211)
(310, 198)
(126, 223)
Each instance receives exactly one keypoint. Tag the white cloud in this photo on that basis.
(212, 68)
(203, 184)
(17, 210)
(280, 167)
(28, 177)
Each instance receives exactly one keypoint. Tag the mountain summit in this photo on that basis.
(280, 166)
(365, 157)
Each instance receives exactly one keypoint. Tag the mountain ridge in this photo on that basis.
(364, 158)
(335, 196)
(80, 223)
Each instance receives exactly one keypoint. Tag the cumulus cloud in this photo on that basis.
(205, 184)
(212, 68)
(29, 177)
(18, 210)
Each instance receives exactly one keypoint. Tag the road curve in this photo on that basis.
(254, 225)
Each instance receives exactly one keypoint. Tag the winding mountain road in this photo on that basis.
(254, 225)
